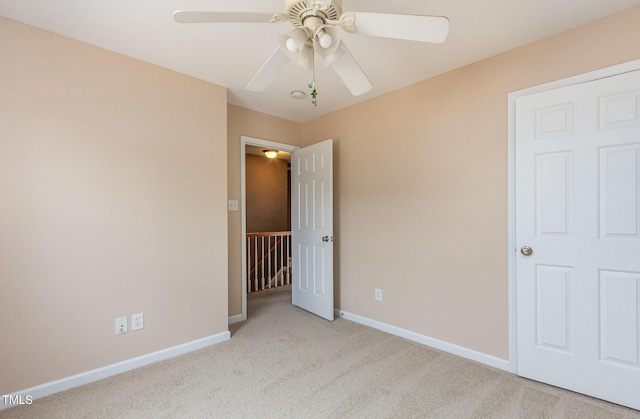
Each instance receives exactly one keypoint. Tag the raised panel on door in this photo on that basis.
(554, 121)
(619, 191)
(620, 318)
(319, 283)
(621, 110)
(553, 305)
(305, 264)
(553, 193)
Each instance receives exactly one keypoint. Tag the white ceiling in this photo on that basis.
(230, 54)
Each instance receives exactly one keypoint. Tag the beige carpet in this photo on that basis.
(286, 363)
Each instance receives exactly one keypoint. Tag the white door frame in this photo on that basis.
(511, 149)
(245, 141)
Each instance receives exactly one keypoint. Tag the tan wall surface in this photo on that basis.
(267, 194)
(112, 202)
(242, 121)
(421, 187)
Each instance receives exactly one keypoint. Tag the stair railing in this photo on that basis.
(268, 260)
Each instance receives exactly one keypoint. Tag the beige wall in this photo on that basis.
(421, 187)
(267, 194)
(242, 121)
(112, 202)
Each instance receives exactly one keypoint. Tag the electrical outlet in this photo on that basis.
(121, 325)
(232, 205)
(137, 321)
(378, 294)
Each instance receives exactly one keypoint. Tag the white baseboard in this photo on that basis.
(483, 358)
(235, 319)
(57, 386)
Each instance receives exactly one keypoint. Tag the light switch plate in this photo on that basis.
(121, 325)
(233, 205)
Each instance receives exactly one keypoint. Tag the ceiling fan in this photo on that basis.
(316, 32)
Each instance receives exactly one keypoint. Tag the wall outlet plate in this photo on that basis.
(137, 321)
(121, 325)
(378, 294)
(233, 205)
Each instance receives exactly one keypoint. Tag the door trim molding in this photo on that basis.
(245, 141)
(511, 152)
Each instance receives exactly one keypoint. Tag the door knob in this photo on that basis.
(526, 250)
(325, 239)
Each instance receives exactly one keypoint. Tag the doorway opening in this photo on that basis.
(268, 200)
(265, 215)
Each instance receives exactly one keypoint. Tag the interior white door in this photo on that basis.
(577, 208)
(312, 228)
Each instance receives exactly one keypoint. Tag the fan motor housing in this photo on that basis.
(301, 11)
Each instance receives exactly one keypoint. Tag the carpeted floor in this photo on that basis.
(286, 363)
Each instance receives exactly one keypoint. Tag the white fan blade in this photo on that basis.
(269, 71)
(351, 73)
(410, 27)
(182, 16)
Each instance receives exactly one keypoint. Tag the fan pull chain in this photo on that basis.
(312, 85)
(314, 93)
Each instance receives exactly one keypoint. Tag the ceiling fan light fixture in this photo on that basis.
(293, 41)
(329, 59)
(291, 45)
(325, 39)
(294, 45)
